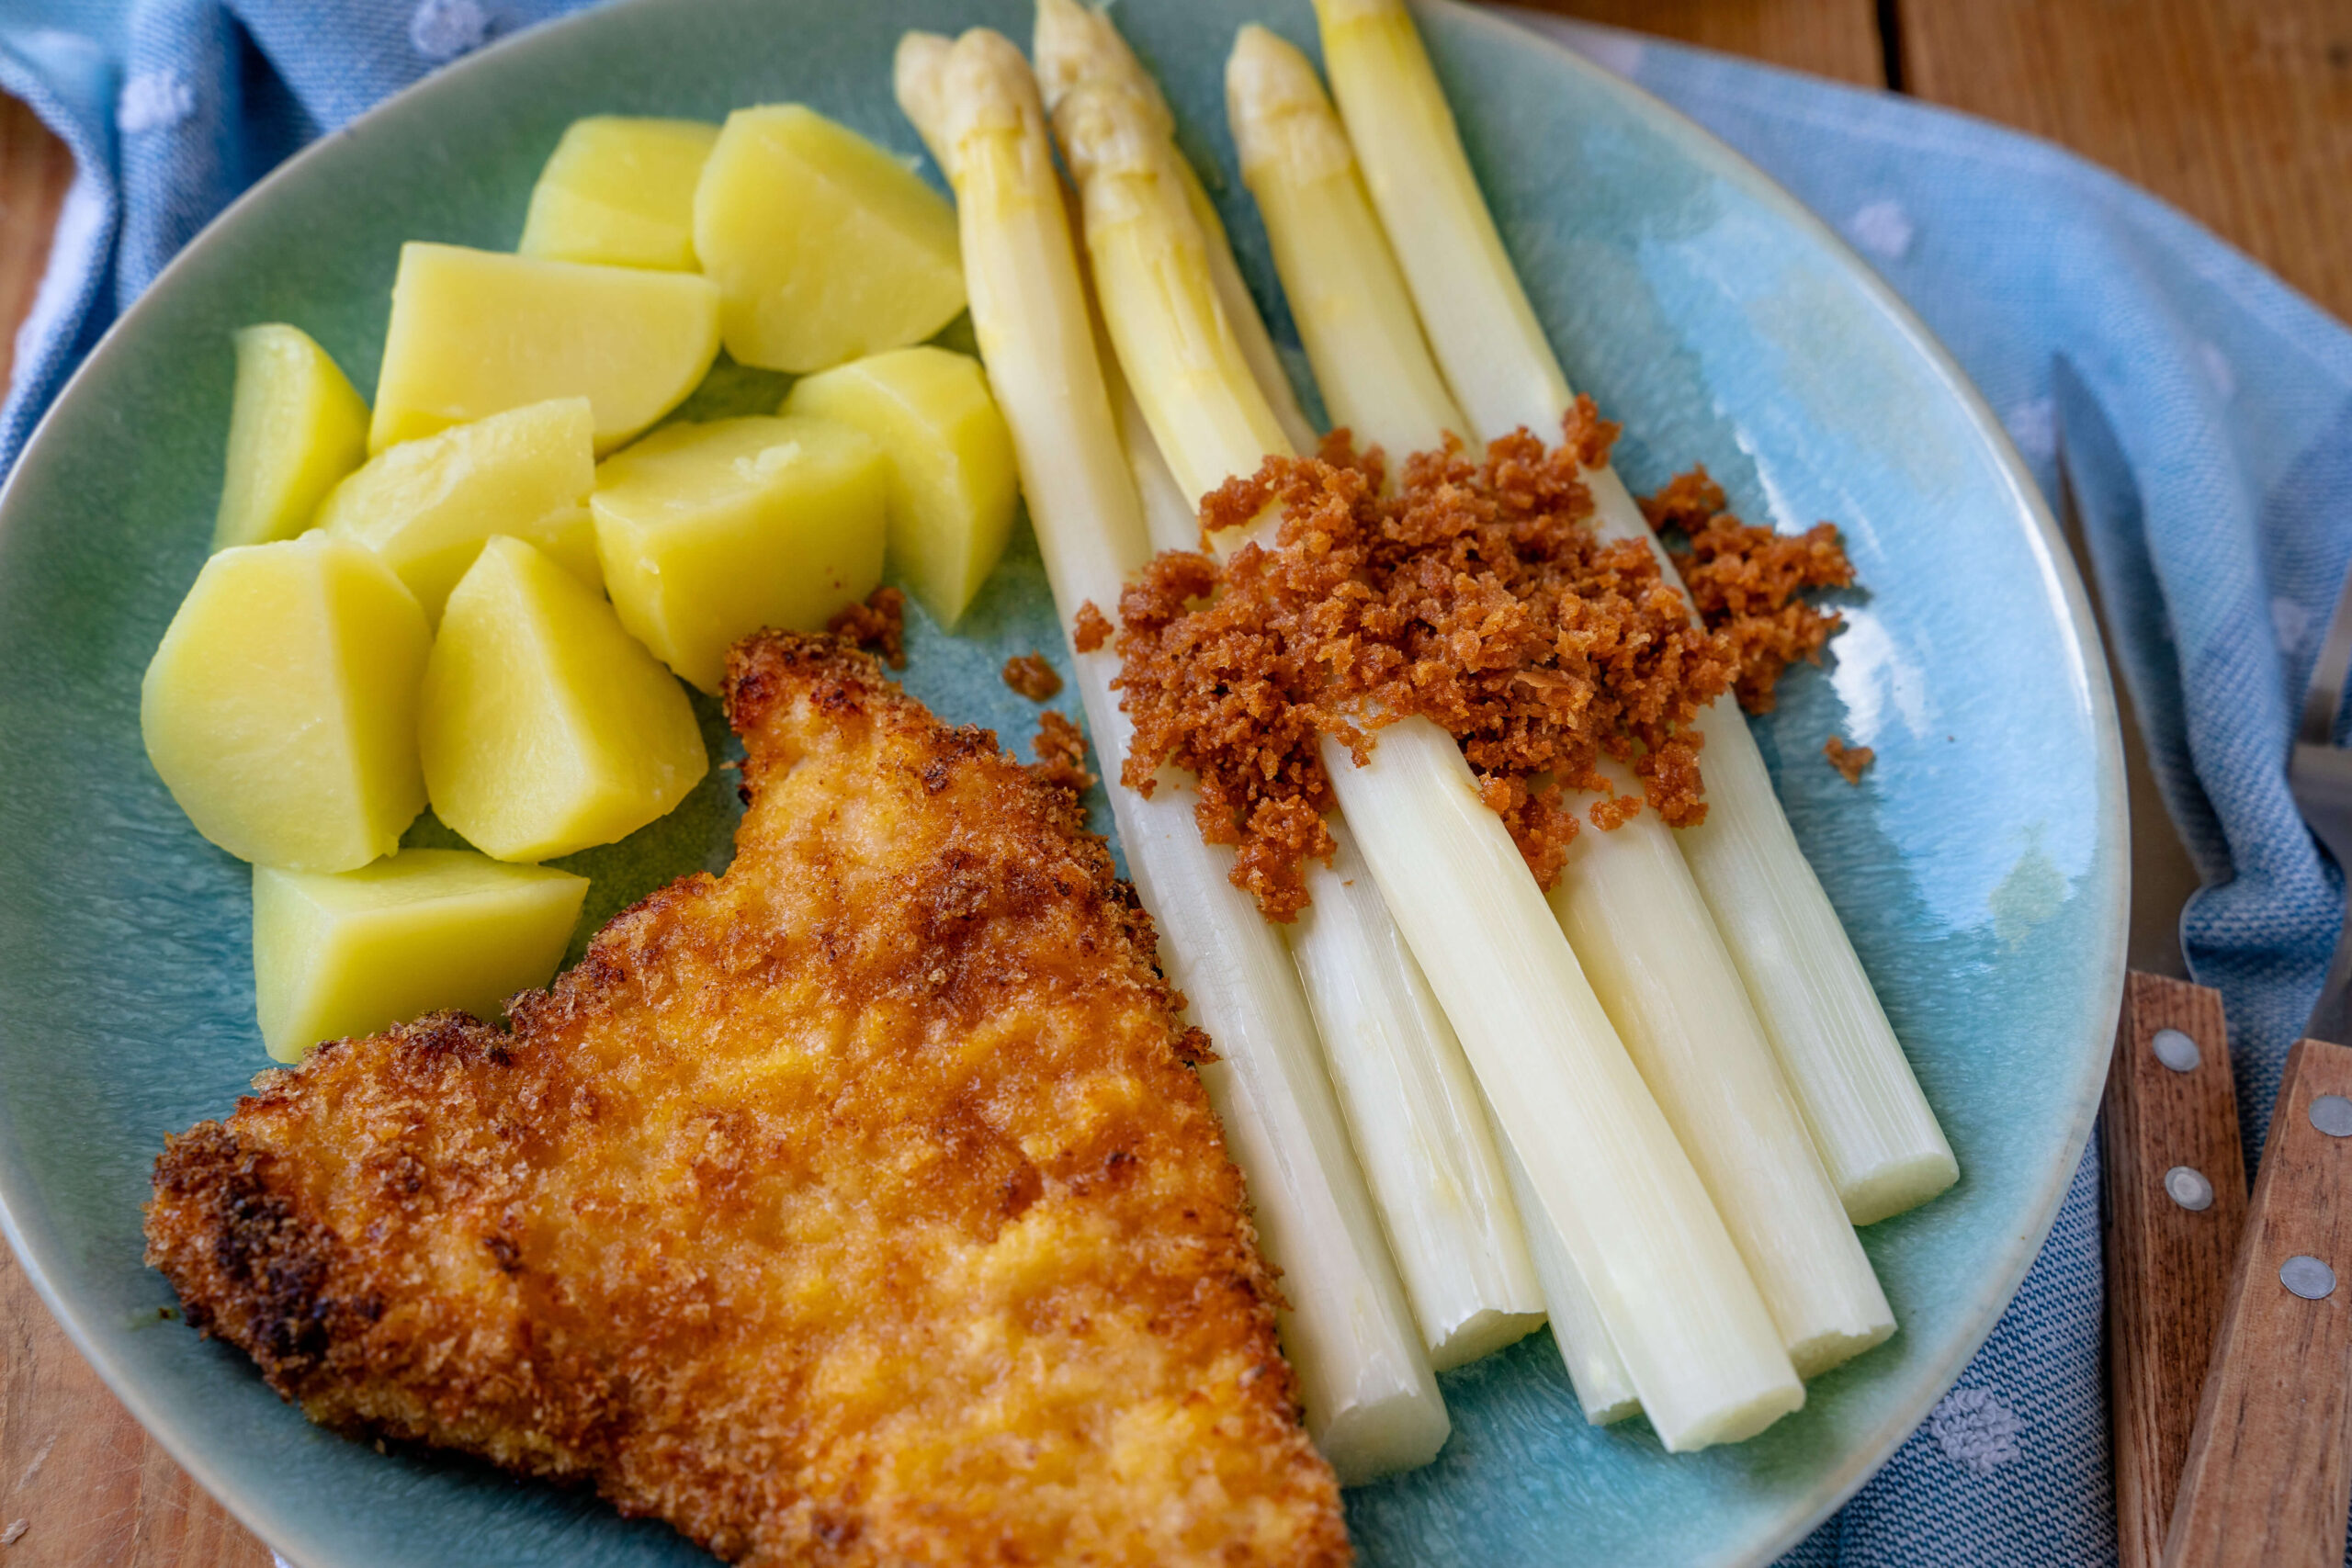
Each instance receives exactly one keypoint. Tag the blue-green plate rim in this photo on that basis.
(1838, 1482)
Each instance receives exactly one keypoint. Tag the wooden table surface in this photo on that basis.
(2240, 111)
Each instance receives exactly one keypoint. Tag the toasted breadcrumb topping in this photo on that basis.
(1061, 752)
(1092, 629)
(1029, 674)
(878, 626)
(1746, 580)
(1475, 593)
(1849, 761)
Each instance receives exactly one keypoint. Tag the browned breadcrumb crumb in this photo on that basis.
(1614, 811)
(878, 626)
(1029, 674)
(1092, 629)
(1475, 594)
(1061, 753)
(1746, 579)
(1850, 760)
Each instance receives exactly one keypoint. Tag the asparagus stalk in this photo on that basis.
(1626, 900)
(1434, 1167)
(1366, 348)
(1250, 332)
(1876, 1137)
(1410, 1099)
(1595, 1370)
(1169, 519)
(1371, 1400)
(1635, 916)
(1346, 294)
(1420, 1125)
(1694, 1334)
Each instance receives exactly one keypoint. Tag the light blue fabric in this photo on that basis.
(2205, 409)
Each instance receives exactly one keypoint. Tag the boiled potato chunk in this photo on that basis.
(620, 191)
(823, 246)
(415, 932)
(546, 726)
(426, 506)
(952, 475)
(295, 427)
(475, 332)
(709, 532)
(281, 709)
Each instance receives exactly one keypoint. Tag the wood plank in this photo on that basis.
(81, 1483)
(2238, 111)
(2269, 1471)
(1829, 38)
(35, 170)
(2168, 1245)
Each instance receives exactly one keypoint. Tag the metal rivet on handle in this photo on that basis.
(2175, 1050)
(2308, 1277)
(2186, 1186)
(2332, 1114)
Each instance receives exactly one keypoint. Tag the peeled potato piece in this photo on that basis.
(415, 932)
(823, 246)
(620, 191)
(546, 727)
(953, 479)
(281, 709)
(296, 426)
(709, 532)
(426, 506)
(477, 332)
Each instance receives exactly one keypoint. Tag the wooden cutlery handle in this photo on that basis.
(2176, 1204)
(2269, 1471)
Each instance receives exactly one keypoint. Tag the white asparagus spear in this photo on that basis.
(1436, 1181)
(1452, 1222)
(1250, 332)
(1372, 1403)
(1420, 1125)
(1169, 519)
(1595, 1370)
(1626, 898)
(1365, 346)
(1874, 1130)
(1692, 1330)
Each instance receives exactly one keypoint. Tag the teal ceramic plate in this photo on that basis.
(1980, 866)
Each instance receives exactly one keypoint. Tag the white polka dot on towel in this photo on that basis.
(152, 100)
(443, 30)
(1882, 229)
(2218, 370)
(2291, 622)
(1976, 1430)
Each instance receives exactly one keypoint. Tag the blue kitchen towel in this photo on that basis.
(2206, 412)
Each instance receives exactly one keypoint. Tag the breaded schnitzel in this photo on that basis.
(859, 1206)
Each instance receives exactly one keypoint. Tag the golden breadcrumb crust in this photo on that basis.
(859, 1206)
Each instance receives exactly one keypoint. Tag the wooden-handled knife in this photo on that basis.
(2269, 1471)
(2171, 1159)
(2230, 1309)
